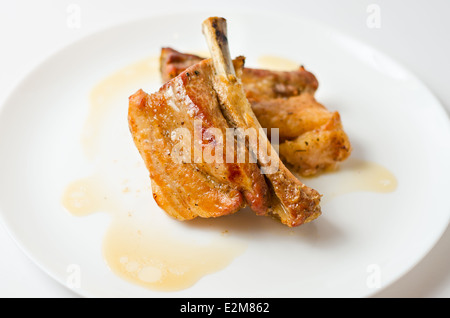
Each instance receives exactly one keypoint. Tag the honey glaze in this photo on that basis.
(277, 63)
(113, 92)
(140, 251)
(142, 244)
(154, 259)
(86, 196)
(353, 175)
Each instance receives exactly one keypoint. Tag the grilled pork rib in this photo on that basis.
(205, 97)
(191, 187)
(312, 138)
(293, 202)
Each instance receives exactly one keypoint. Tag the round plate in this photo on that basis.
(363, 241)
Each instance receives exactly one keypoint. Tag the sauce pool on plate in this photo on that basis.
(138, 246)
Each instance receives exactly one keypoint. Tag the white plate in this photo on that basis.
(363, 242)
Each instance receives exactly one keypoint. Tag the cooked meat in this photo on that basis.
(193, 187)
(208, 97)
(259, 84)
(294, 203)
(284, 100)
(172, 63)
(315, 140)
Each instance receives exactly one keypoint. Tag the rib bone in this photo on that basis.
(293, 203)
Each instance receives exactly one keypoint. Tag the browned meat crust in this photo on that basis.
(312, 138)
(293, 202)
(192, 187)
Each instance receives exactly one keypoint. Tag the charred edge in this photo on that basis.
(220, 36)
(235, 173)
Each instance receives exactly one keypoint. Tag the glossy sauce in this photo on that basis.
(353, 175)
(141, 245)
(159, 261)
(137, 246)
(277, 63)
(144, 253)
(105, 95)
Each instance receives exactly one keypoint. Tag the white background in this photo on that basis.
(415, 33)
